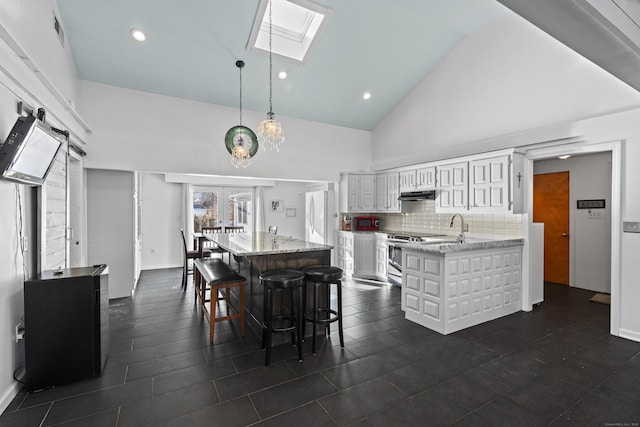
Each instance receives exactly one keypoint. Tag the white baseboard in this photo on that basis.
(9, 395)
(630, 335)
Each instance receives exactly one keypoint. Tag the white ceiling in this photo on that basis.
(385, 47)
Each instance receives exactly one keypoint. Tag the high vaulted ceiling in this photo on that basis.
(385, 47)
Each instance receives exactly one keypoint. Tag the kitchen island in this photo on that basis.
(449, 286)
(256, 252)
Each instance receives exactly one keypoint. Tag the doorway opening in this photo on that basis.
(594, 215)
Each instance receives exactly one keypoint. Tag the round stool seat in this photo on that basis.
(323, 273)
(321, 277)
(287, 283)
(282, 278)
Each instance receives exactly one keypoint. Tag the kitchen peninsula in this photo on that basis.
(449, 286)
(257, 252)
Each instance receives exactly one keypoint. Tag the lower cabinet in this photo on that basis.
(452, 291)
(381, 256)
(362, 254)
(364, 251)
(345, 252)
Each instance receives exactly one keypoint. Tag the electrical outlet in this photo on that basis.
(631, 227)
(19, 332)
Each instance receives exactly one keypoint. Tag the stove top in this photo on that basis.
(410, 237)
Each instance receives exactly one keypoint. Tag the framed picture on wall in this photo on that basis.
(276, 205)
(290, 212)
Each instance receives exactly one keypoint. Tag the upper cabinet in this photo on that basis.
(357, 192)
(426, 178)
(393, 191)
(387, 192)
(489, 184)
(453, 187)
(419, 179)
(483, 184)
(408, 180)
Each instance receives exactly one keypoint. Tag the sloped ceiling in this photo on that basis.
(385, 47)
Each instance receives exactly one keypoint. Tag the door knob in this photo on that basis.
(565, 235)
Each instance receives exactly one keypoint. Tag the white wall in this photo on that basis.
(110, 199)
(135, 130)
(507, 78)
(590, 244)
(161, 221)
(27, 25)
(293, 196)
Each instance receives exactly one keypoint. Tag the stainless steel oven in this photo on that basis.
(394, 266)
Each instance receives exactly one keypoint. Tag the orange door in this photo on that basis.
(551, 206)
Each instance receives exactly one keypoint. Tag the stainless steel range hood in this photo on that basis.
(415, 196)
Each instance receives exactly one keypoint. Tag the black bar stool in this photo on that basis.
(322, 277)
(292, 282)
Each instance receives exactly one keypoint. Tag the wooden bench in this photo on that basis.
(213, 275)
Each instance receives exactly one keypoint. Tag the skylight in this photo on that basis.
(296, 27)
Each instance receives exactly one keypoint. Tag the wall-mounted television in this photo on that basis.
(29, 151)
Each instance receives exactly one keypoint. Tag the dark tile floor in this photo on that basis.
(557, 365)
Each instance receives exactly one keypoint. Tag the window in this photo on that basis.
(205, 209)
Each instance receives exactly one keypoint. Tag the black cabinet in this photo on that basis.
(66, 317)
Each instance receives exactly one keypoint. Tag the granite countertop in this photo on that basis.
(262, 243)
(470, 244)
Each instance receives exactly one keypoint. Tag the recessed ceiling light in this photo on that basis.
(366, 95)
(137, 34)
(282, 75)
(564, 157)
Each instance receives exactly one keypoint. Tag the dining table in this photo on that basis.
(253, 253)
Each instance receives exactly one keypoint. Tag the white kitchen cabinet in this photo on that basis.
(451, 291)
(495, 184)
(420, 179)
(452, 187)
(387, 192)
(382, 196)
(381, 256)
(393, 191)
(364, 247)
(357, 192)
(489, 184)
(408, 180)
(344, 256)
(426, 178)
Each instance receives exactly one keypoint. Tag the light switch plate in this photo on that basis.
(631, 227)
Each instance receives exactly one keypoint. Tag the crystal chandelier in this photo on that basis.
(270, 132)
(240, 157)
(240, 141)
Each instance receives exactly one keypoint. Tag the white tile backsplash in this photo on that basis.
(421, 217)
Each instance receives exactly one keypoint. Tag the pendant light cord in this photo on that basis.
(270, 63)
(240, 64)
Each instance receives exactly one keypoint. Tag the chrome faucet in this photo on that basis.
(460, 238)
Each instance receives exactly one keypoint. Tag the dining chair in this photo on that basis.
(273, 229)
(208, 244)
(186, 256)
